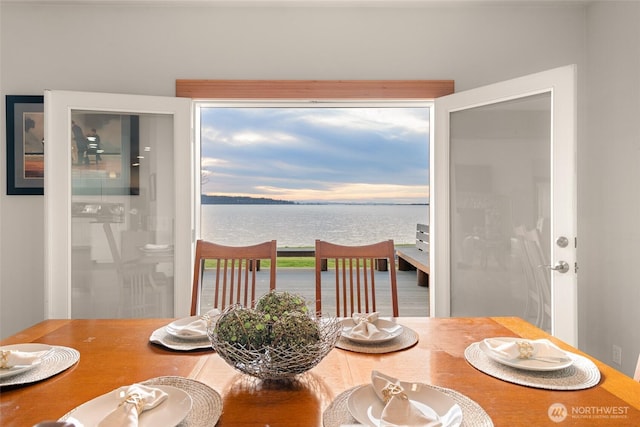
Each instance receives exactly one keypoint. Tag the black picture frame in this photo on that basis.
(25, 144)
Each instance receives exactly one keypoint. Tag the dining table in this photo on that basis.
(117, 352)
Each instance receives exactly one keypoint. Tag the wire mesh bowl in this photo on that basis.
(274, 352)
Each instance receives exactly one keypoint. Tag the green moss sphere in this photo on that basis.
(280, 319)
(294, 330)
(276, 304)
(243, 327)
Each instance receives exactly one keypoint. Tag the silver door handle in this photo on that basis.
(560, 267)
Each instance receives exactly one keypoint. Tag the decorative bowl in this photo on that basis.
(269, 346)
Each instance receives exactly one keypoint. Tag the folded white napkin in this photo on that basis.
(398, 410)
(132, 401)
(197, 327)
(366, 326)
(11, 358)
(525, 349)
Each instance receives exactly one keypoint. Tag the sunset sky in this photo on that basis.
(365, 155)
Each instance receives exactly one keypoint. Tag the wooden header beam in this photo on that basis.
(313, 89)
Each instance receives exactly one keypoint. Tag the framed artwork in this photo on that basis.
(25, 144)
(105, 153)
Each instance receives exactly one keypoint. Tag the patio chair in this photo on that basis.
(355, 276)
(231, 272)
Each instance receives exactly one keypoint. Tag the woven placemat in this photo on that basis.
(162, 337)
(207, 403)
(60, 359)
(337, 414)
(582, 374)
(407, 339)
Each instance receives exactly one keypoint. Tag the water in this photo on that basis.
(301, 225)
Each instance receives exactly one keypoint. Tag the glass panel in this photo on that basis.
(500, 209)
(122, 206)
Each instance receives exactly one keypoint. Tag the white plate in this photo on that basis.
(162, 337)
(392, 329)
(169, 413)
(365, 406)
(156, 249)
(23, 347)
(526, 364)
(173, 329)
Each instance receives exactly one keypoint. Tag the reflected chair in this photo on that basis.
(533, 308)
(232, 272)
(355, 276)
(136, 283)
(529, 249)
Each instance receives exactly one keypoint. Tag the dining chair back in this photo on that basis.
(227, 275)
(355, 276)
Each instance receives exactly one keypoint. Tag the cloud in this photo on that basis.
(317, 154)
(393, 120)
(207, 162)
(254, 138)
(359, 192)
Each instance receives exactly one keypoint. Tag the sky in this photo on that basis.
(355, 155)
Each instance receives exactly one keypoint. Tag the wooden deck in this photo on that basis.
(413, 299)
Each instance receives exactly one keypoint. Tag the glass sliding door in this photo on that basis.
(119, 215)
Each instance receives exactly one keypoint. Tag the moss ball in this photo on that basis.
(276, 304)
(243, 327)
(295, 331)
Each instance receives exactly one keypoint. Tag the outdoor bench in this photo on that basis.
(416, 258)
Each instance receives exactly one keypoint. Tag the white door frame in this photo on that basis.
(561, 83)
(58, 106)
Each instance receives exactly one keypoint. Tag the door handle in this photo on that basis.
(560, 267)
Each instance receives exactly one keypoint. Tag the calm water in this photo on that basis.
(300, 225)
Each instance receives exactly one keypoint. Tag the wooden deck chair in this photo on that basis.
(229, 277)
(355, 278)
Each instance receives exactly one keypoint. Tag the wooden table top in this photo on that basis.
(117, 352)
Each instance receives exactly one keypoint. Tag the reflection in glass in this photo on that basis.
(500, 205)
(105, 149)
(122, 227)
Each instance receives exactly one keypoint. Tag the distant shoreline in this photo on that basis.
(241, 200)
(207, 199)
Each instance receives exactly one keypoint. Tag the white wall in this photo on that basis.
(609, 173)
(142, 50)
